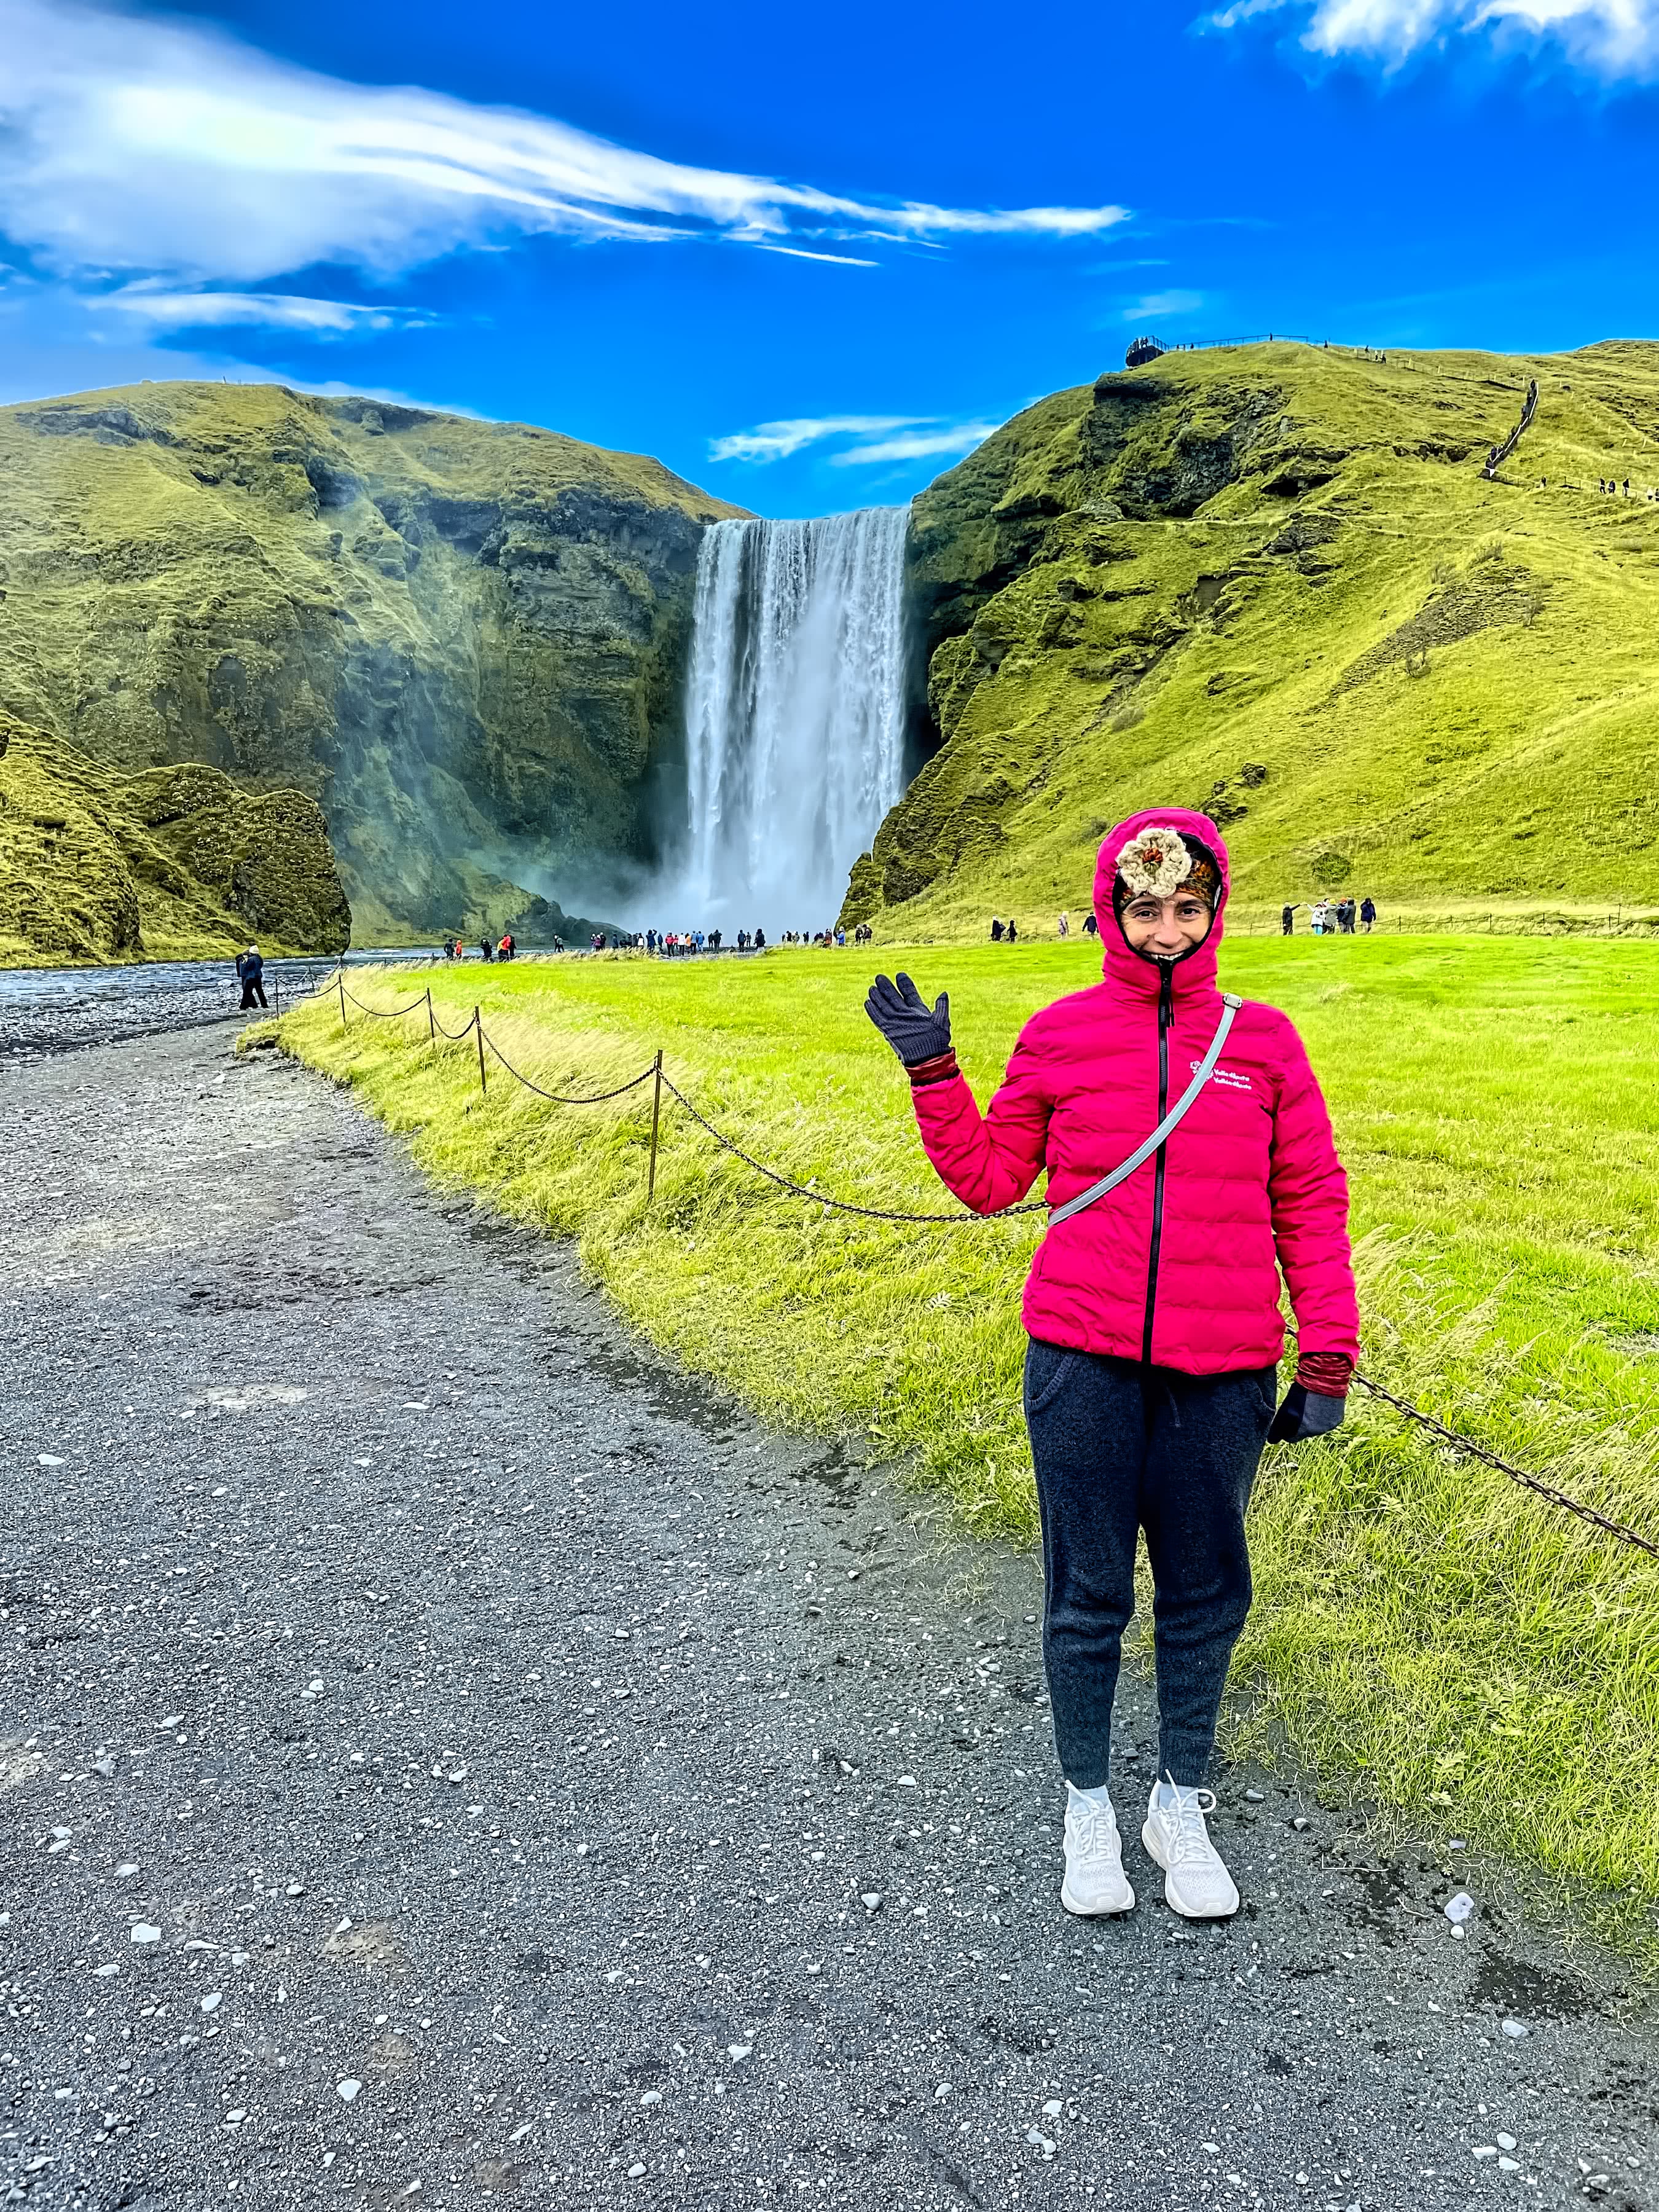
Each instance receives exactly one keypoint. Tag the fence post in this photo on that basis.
(478, 1024)
(276, 987)
(656, 1114)
(339, 977)
(431, 1033)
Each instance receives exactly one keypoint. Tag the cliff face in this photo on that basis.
(98, 864)
(463, 640)
(1273, 582)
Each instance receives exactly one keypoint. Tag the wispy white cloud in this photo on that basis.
(172, 310)
(876, 438)
(1613, 38)
(804, 253)
(917, 444)
(776, 441)
(130, 145)
(1162, 303)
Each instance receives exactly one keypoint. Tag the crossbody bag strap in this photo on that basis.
(1142, 1152)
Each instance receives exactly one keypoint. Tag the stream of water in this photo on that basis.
(795, 712)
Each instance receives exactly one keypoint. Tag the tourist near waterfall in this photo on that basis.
(1153, 1311)
(250, 973)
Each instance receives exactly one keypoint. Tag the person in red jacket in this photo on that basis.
(1153, 1313)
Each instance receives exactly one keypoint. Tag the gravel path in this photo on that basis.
(447, 1755)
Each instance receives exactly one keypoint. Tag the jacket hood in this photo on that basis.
(1130, 970)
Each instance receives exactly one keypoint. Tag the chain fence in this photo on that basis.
(655, 1074)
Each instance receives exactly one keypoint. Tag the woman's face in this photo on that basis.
(1165, 928)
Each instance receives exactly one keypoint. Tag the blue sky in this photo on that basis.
(805, 257)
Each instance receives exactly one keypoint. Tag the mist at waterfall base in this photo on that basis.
(795, 721)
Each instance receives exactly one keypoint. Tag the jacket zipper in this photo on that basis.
(1166, 1017)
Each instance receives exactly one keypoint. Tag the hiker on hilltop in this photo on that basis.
(1153, 1311)
(250, 972)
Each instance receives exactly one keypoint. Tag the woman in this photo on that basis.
(1153, 1313)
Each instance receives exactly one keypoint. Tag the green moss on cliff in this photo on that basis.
(1272, 581)
(166, 863)
(464, 639)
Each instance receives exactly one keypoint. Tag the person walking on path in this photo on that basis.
(1065, 926)
(1367, 915)
(1286, 921)
(1152, 1311)
(250, 970)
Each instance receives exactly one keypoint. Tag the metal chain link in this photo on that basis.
(385, 1013)
(840, 1204)
(597, 1097)
(1506, 1467)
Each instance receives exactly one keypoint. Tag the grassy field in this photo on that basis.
(1426, 1635)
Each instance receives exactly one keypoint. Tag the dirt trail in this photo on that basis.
(445, 1755)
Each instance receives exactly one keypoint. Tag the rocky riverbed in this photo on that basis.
(447, 1755)
(47, 1010)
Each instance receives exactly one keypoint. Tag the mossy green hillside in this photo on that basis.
(97, 864)
(1272, 580)
(464, 640)
(1429, 1635)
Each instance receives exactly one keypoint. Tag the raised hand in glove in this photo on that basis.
(916, 1031)
(1306, 1413)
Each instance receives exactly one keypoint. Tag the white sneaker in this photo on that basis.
(1095, 1881)
(1197, 1883)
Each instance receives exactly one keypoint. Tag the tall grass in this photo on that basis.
(1425, 1633)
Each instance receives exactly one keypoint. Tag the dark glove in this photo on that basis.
(1306, 1413)
(915, 1031)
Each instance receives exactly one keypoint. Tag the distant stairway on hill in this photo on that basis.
(1499, 454)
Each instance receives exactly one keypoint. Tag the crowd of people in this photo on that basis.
(659, 943)
(1331, 917)
(502, 948)
(1328, 918)
(1341, 917)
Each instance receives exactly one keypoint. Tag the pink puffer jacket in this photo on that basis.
(1179, 1264)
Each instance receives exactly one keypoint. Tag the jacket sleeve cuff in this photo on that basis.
(940, 1069)
(1327, 1373)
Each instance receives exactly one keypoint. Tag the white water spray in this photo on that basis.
(794, 712)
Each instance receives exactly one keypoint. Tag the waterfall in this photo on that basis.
(794, 712)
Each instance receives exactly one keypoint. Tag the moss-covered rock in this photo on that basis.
(464, 640)
(96, 864)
